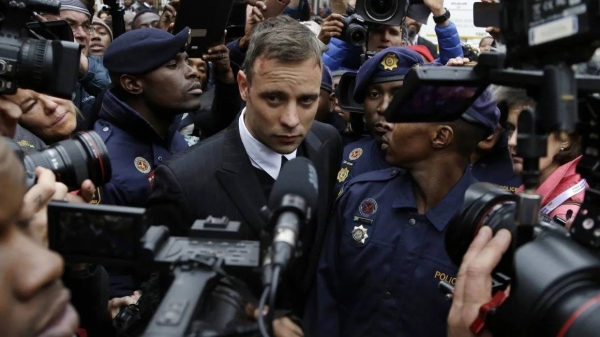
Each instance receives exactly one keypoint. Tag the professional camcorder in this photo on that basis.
(202, 298)
(42, 63)
(553, 273)
(73, 160)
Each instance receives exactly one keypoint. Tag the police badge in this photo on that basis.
(359, 234)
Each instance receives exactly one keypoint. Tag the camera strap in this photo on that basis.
(564, 196)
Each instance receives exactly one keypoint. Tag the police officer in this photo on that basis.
(136, 115)
(384, 254)
(376, 81)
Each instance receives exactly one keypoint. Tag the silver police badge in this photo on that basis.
(359, 234)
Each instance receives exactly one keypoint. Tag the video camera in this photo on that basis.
(40, 64)
(553, 273)
(201, 301)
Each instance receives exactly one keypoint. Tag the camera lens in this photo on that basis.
(34, 63)
(75, 160)
(356, 34)
(381, 10)
(485, 205)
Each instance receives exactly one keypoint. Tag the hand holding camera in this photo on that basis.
(332, 27)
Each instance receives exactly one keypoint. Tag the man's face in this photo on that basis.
(414, 27)
(405, 144)
(201, 68)
(100, 40)
(33, 300)
(146, 20)
(281, 101)
(173, 88)
(377, 99)
(385, 37)
(127, 3)
(80, 24)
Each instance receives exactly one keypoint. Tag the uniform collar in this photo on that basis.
(261, 156)
(124, 117)
(441, 214)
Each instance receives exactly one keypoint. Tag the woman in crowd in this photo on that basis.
(51, 119)
(561, 187)
(101, 37)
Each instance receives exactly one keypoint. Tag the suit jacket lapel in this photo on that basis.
(239, 180)
(317, 152)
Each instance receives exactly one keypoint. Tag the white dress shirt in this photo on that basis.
(260, 155)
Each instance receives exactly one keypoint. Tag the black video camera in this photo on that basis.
(72, 160)
(201, 301)
(45, 66)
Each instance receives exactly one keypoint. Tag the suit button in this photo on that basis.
(412, 222)
(105, 129)
(388, 295)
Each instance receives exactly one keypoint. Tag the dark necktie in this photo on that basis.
(283, 161)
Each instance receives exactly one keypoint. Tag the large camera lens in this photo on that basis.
(485, 205)
(356, 34)
(39, 63)
(381, 10)
(74, 160)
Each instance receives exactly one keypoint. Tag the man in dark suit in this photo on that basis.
(231, 174)
(414, 27)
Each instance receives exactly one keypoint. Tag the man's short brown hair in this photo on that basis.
(283, 39)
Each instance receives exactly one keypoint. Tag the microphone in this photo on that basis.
(293, 201)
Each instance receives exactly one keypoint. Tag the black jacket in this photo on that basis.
(216, 178)
(430, 45)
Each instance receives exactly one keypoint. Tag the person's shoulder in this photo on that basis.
(370, 181)
(323, 130)
(203, 155)
(354, 150)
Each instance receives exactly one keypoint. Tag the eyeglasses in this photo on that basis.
(87, 28)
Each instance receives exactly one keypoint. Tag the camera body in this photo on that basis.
(355, 30)
(31, 63)
(72, 161)
(201, 301)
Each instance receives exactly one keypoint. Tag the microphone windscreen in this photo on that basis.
(298, 176)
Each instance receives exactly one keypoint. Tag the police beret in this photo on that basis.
(326, 79)
(390, 64)
(484, 111)
(156, 45)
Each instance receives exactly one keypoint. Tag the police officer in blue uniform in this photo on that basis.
(135, 121)
(377, 80)
(384, 254)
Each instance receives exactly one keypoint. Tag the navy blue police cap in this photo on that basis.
(484, 112)
(157, 45)
(390, 64)
(326, 79)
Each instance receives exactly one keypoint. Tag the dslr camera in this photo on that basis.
(42, 63)
(355, 30)
(72, 161)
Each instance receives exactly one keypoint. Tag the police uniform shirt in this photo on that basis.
(135, 151)
(382, 261)
(362, 156)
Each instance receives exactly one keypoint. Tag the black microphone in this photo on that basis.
(293, 201)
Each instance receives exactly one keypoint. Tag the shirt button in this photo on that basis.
(388, 295)
(412, 222)
(105, 129)
(159, 158)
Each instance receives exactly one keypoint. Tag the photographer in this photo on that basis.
(342, 54)
(93, 77)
